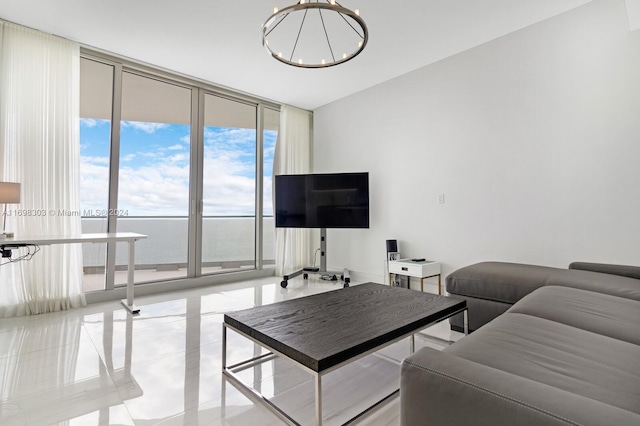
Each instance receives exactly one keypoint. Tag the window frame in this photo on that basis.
(198, 88)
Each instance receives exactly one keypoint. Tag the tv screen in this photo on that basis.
(335, 200)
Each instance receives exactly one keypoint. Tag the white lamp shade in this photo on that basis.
(9, 192)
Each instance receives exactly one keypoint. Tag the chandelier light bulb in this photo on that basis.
(324, 62)
(357, 11)
(275, 10)
(344, 56)
(333, 2)
(279, 54)
(300, 61)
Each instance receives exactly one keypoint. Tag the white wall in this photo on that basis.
(534, 138)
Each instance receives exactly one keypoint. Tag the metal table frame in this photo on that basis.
(231, 370)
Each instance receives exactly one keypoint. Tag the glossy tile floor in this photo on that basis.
(101, 366)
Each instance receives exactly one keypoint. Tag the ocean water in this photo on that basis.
(224, 240)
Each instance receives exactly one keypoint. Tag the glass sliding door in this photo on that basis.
(96, 94)
(179, 161)
(229, 185)
(154, 176)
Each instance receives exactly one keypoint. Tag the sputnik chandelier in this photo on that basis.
(314, 34)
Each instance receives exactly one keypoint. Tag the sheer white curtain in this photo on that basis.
(39, 147)
(293, 156)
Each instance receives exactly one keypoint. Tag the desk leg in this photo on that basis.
(439, 284)
(129, 302)
(422, 285)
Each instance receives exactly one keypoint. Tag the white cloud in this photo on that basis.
(145, 127)
(163, 187)
(94, 160)
(158, 185)
(269, 151)
(229, 136)
(94, 182)
(178, 158)
(88, 122)
(155, 191)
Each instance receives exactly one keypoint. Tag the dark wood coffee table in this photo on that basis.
(326, 331)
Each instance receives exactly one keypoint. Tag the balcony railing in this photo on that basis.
(228, 244)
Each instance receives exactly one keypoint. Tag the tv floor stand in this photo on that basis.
(322, 270)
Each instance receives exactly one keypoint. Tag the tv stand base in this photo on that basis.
(344, 276)
(322, 270)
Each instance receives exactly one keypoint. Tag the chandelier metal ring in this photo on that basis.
(274, 20)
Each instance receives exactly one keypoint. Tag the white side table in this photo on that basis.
(420, 269)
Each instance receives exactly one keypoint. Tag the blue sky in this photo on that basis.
(154, 168)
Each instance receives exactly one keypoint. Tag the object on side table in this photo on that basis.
(392, 250)
(392, 254)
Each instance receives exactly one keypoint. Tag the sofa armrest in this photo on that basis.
(441, 389)
(605, 268)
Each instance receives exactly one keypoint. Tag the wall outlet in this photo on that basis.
(441, 199)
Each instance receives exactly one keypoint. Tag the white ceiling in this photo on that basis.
(219, 41)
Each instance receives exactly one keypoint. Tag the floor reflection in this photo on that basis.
(101, 366)
(52, 374)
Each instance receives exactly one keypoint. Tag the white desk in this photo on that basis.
(420, 269)
(128, 237)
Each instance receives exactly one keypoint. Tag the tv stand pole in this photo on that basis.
(344, 276)
(323, 249)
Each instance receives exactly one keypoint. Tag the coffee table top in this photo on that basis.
(326, 329)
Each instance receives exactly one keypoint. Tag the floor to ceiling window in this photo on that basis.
(229, 184)
(153, 184)
(96, 92)
(203, 197)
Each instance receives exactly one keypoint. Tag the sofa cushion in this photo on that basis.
(498, 281)
(437, 388)
(615, 285)
(568, 358)
(608, 268)
(599, 313)
(509, 282)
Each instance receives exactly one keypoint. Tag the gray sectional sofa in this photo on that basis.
(490, 288)
(564, 351)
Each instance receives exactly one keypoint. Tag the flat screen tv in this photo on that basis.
(330, 200)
